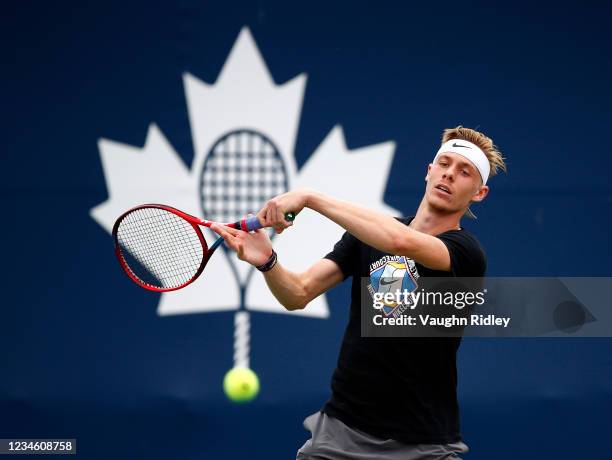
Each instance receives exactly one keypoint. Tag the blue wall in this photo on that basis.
(84, 353)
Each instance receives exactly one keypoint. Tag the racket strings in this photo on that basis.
(160, 248)
(170, 261)
(175, 239)
(148, 252)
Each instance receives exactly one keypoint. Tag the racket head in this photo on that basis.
(159, 247)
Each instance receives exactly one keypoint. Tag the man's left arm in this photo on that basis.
(375, 229)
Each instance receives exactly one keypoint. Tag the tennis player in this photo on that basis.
(392, 398)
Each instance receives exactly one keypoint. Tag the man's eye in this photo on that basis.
(465, 173)
(443, 163)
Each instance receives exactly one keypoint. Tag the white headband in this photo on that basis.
(469, 151)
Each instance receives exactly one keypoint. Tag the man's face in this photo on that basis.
(452, 183)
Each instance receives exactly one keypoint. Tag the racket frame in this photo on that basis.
(247, 225)
(195, 224)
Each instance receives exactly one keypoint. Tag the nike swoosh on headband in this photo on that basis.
(470, 151)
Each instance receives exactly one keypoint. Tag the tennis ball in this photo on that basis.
(241, 384)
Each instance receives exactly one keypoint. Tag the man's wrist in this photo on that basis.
(310, 198)
(268, 264)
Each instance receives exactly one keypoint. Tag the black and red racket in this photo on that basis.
(163, 249)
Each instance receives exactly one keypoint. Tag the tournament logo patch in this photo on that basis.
(392, 274)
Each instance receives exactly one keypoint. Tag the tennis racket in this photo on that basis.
(163, 249)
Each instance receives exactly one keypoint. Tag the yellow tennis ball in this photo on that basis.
(241, 384)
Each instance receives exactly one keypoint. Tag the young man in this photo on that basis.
(419, 418)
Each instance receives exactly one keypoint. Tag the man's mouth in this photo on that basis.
(444, 188)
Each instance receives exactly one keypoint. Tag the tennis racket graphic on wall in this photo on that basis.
(242, 171)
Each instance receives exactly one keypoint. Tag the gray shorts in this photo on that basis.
(333, 440)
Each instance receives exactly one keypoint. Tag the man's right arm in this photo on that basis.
(295, 290)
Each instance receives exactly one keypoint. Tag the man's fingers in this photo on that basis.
(229, 235)
(269, 214)
(218, 229)
(282, 225)
(261, 215)
(279, 218)
(273, 216)
(231, 242)
(231, 230)
(223, 230)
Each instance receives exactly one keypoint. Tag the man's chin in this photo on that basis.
(441, 207)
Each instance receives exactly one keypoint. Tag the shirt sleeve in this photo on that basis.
(345, 254)
(466, 255)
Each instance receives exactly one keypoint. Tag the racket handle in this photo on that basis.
(252, 223)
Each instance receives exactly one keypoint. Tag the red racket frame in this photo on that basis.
(195, 223)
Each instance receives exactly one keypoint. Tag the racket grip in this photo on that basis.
(252, 223)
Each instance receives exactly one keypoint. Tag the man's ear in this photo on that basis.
(481, 194)
(428, 170)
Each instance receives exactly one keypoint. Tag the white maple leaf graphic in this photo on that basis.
(243, 97)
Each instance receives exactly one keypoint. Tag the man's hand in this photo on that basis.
(273, 212)
(254, 248)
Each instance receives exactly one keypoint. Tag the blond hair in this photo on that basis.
(496, 160)
(485, 143)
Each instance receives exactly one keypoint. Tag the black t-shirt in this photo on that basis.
(399, 388)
